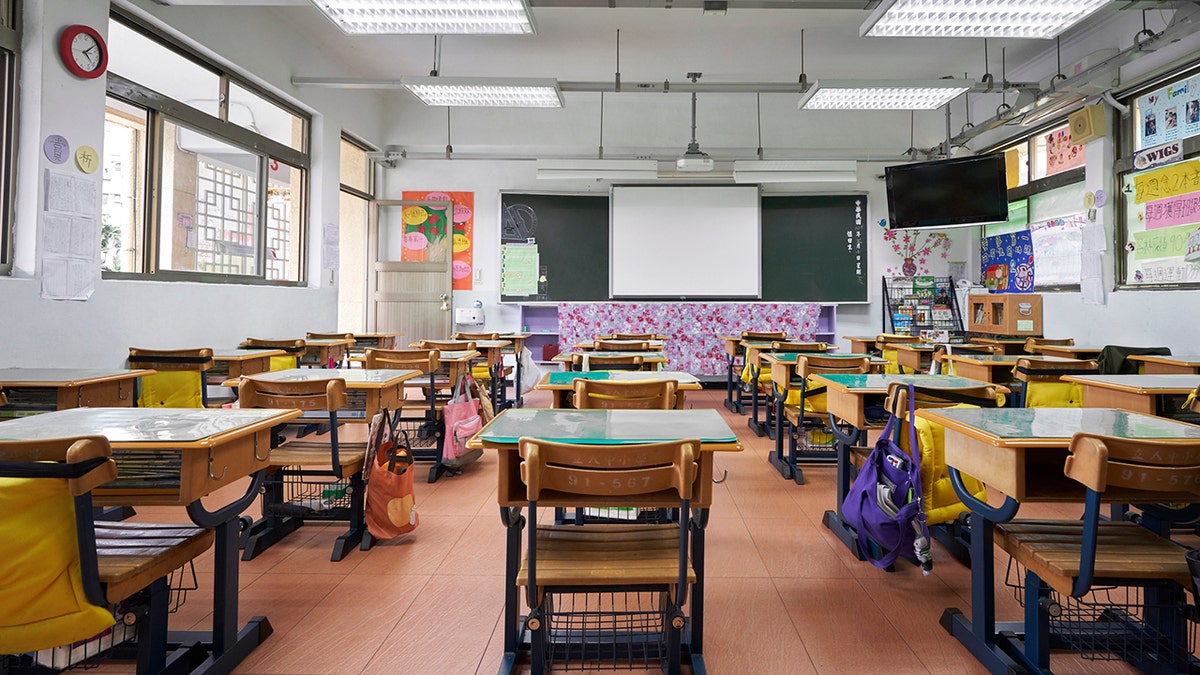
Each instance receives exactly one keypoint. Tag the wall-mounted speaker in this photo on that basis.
(1087, 124)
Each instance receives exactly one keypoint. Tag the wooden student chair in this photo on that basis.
(1033, 344)
(944, 511)
(295, 351)
(427, 384)
(801, 411)
(309, 478)
(633, 336)
(1066, 559)
(615, 345)
(1043, 384)
(482, 373)
(476, 336)
(179, 381)
(610, 395)
(62, 571)
(623, 362)
(649, 559)
(764, 335)
(939, 364)
(329, 336)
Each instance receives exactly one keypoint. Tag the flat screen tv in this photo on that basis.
(947, 193)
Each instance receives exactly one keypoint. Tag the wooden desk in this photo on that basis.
(365, 341)
(367, 391)
(754, 350)
(493, 352)
(1072, 351)
(1011, 346)
(993, 368)
(655, 345)
(654, 358)
(1184, 364)
(202, 450)
(32, 390)
(234, 363)
(1020, 452)
(1139, 393)
(605, 427)
(656, 337)
(861, 344)
(561, 384)
(916, 357)
(322, 353)
(847, 398)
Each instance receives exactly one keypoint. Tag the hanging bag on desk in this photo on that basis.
(884, 504)
(391, 508)
(463, 418)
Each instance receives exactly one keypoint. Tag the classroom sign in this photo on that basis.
(429, 241)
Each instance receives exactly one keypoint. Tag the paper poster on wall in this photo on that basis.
(521, 269)
(1061, 154)
(1169, 113)
(1007, 261)
(70, 245)
(1058, 244)
(460, 235)
(1169, 181)
(1163, 245)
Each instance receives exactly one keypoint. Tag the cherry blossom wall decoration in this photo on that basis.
(917, 250)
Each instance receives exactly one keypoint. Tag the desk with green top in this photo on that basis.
(861, 344)
(561, 384)
(917, 356)
(600, 427)
(493, 353)
(33, 390)
(518, 348)
(755, 352)
(655, 359)
(992, 368)
(367, 391)
(175, 456)
(1148, 394)
(848, 398)
(1020, 452)
(1168, 365)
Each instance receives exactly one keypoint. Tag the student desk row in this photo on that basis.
(493, 353)
(44, 389)
(561, 384)
(1020, 452)
(600, 427)
(176, 456)
(367, 391)
(655, 359)
(621, 344)
(1185, 364)
(848, 398)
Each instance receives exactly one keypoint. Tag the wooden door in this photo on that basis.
(410, 249)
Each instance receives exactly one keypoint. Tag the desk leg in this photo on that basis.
(517, 400)
(229, 646)
(695, 643)
(732, 394)
(833, 517)
(753, 422)
(513, 522)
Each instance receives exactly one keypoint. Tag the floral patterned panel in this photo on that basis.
(694, 328)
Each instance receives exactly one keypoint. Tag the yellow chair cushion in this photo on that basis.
(172, 389)
(283, 362)
(1053, 395)
(481, 372)
(812, 403)
(893, 362)
(41, 587)
(941, 503)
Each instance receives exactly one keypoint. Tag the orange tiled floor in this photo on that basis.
(783, 595)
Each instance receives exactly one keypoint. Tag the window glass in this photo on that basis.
(248, 109)
(285, 187)
(1018, 220)
(8, 108)
(1016, 165)
(208, 221)
(136, 57)
(355, 167)
(123, 205)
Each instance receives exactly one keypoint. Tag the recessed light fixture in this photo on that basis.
(429, 17)
(976, 18)
(486, 92)
(882, 94)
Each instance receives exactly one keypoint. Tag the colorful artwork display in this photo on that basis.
(426, 237)
(917, 250)
(694, 328)
(1163, 226)
(1061, 154)
(1008, 262)
(1169, 113)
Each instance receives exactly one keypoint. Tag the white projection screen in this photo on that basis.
(685, 242)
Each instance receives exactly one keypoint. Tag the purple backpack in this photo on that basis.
(884, 504)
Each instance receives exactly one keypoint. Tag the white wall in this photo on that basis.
(120, 314)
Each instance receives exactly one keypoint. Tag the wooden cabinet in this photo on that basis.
(1005, 314)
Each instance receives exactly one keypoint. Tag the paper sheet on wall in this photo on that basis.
(70, 245)
(1094, 238)
(520, 269)
(1091, 282)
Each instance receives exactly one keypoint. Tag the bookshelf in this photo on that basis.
(924, 306)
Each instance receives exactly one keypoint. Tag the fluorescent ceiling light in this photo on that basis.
(796, 171)
(882, 94)
(598, 169)
(429, 17)
(486, 92)
(976, 18)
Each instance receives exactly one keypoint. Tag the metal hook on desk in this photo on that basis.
(261, 459)
(724, 475)
(224, 469)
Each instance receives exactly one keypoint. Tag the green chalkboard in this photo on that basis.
(571, 235)
(814, 248)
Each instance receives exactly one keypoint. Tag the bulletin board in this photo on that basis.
(553, 247)
(1162, 225)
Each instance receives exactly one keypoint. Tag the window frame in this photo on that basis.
(159, 108)
(1126, 137)
(10, 42)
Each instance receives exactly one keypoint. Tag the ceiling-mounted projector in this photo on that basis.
(697, 162)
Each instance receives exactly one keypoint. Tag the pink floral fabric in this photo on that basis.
(694, 328)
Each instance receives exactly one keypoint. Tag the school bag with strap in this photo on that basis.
(463, 419)
(884, 504)
(391, 508)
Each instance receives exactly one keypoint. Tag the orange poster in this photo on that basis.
(463, 234)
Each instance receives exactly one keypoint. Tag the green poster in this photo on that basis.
(520, 265)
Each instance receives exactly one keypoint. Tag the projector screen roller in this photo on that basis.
(685, 242)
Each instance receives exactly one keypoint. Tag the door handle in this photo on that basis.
(445, 302)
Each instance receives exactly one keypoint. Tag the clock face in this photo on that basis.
(86, 52)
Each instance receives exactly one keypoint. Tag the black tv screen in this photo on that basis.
(947, 193)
